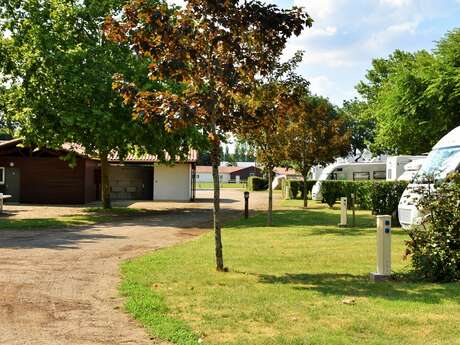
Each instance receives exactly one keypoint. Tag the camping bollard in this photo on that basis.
(246, 205)
(343, 212)
(383, 249)
(353, 200)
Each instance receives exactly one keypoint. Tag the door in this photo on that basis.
(13, 184)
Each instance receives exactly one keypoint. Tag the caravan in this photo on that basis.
(442, 160)
(351, 172)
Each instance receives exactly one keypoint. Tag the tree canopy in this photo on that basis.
(413, 98)
(59, 69)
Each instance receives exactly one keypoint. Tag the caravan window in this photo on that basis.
(361, 176)
(380, 175)
(2, 175)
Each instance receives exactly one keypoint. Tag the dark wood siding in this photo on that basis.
(92, 181)
(49, 180)
(245, 173)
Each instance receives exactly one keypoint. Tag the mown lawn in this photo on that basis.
(91, 216)
(210, 185)
(288, 285)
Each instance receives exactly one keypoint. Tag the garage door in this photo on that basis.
(131, 182)
(172, 182)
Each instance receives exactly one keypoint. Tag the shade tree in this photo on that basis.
(213, 50)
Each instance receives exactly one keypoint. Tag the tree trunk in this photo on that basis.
(305, 192)
(105, 167)
(215, 157)
(270, 197)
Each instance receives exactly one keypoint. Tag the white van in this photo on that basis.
(350, 172)
(396, 165)
(442, 160)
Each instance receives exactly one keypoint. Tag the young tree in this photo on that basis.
(317, 135)
(270, 103)
(214, 50)
(61, 67)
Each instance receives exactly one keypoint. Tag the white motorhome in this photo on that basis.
(411, 169)
(351, 172)
(396, 165)
(442, 160)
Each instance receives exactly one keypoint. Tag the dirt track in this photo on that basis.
(60, 286)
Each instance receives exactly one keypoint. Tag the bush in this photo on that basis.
(381, 197)
(296, 186)
(435, 245)
(257, 183)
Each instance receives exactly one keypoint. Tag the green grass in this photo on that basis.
(286, 286)
(93, 216)
(210, 185)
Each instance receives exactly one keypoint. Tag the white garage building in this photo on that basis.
(159, 181)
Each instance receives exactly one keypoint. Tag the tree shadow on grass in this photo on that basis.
(319, 221)
(342, 284)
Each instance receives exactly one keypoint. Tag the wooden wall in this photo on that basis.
(50, 180)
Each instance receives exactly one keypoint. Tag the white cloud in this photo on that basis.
(396, 3)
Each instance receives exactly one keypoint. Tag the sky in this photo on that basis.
(347, 34)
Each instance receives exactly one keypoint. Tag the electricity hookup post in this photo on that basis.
(383, 249)
(343, 212)
(246, 205)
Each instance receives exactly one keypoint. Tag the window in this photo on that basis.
(2, 175)
(379, 175)
(361, 176)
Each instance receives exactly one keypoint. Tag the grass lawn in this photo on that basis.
(210, 185)
(287, 285)
(91, 217)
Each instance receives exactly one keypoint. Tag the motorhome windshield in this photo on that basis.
(438, 164)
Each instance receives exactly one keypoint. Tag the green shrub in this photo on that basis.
(434, 246)
(257, 183)
(296, 186)
(381, 197)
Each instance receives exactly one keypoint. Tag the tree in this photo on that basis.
(61, 67)
(360, 124)
(213, 50)
(270, 104)
(413, 98)
(317, 136)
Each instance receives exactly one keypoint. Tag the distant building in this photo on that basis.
(227, 174)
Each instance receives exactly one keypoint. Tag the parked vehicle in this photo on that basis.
(350, 172)
(442, 160)
(396, 165)
(411, 169)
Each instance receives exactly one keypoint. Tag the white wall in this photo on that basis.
(172, 182)
(203, 177)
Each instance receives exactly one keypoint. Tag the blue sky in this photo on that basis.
(347, 35)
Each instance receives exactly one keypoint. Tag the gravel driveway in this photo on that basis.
(60, 286)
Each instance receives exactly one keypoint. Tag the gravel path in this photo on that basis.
(60, 286)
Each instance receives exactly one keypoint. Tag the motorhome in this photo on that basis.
(411, 169)
(396, 165)
(442, 160)
(351, 172)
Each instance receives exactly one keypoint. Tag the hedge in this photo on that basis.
(381, 197)
(291, 188)
(257, 183)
